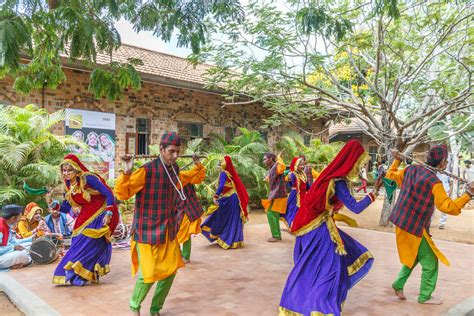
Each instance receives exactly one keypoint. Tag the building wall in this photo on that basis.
(164, 105)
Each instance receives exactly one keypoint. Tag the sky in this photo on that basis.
(148, 40)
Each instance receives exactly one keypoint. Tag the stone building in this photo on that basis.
(173, 97)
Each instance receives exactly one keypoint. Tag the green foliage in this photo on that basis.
(29, 152)
(48, 31)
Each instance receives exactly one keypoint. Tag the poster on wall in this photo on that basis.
(97, 131)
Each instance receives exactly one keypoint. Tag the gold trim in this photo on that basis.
(286, 312)
(97, 233)
(78, 268)
(359, 263)
(315, 223)
(79, 229)
(235, 245)
(335, 237)
(286, 224)
(59, 280)
(353, 175)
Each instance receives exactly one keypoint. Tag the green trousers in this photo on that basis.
(186, 250)
(141, 290)
(429, 272)
(274, 222)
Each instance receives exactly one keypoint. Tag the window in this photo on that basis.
(229, 134)
(137, 143)
(189, 131)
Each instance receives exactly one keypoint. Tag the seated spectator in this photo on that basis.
(31, 223)
(13, 253)
(56, 221)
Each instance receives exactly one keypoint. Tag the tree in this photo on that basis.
(29, 151)
(377, 61)
(49, 32)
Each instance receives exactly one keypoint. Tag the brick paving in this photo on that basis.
(249, 281)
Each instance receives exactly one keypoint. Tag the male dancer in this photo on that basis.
(154, 247)
(421, 190)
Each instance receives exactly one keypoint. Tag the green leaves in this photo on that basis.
(112, 81)
(14, 37)
(315, 19)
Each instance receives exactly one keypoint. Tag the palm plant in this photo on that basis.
(29, 151)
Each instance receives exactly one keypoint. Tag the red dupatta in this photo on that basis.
(91, 203)
(321, 195)
(239, 186)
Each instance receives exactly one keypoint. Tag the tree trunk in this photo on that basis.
(454, 163)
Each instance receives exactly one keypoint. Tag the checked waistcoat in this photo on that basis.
(415, 205)
(309, 175)
(191, 206)
(277, 184)
(155, 205)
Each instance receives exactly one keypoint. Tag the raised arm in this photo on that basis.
(394, 174)
(445, 204)
(127, 185)
(195, 175)
(343, 194)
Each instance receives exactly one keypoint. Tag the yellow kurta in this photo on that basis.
(187, 228)
(407, 243)
(25, 230)
(157, 262)
(276, 205)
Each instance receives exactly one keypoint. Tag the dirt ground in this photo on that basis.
(7, 307)
(457, 228)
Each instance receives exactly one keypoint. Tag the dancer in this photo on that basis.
(89, 197)
(276, 203)
(189, 215)
(328, 262)
(311, 174)
(225, 224)
(154, 248)
(421, 190)
(299, 186)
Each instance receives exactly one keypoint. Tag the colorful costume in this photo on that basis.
(89, 256)
(26, 226)
(189, 215)
(311, 174)
(328, 262)
(420, 191)
(277, 200)
(225, 224)
(299, 186)
(10, 257)
(154, 248)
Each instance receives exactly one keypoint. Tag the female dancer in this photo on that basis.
(225, 224)
(92, 201)
(328, 262)
(299, 186)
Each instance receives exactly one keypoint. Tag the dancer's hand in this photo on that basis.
(196, 159)
(396, 154)
(76, 210)
(106, 220)
(127, 161)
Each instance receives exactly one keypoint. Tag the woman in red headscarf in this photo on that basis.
(225, 224)
(89, 198)
(299, 186)
(328, 262)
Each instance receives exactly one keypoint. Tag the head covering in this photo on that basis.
(74, 161)
(55, 206)
(30, 210)
(293, 163)
(437, 154)
(321, 195)
(270, 155)
(239, 186)
(300, 174)
(170, 138)
(11, 210)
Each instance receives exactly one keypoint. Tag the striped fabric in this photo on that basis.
(191, 206)
(415, 205)
(309, 175)
(277, 184)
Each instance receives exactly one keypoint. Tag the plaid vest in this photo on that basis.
(309, 175)
(415, 205)
(190, 206)
(155, 206)
(277, 184)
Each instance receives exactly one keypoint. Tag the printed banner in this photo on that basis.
(97, 131)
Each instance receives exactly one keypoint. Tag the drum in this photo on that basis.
(121, 232)
(44, 251)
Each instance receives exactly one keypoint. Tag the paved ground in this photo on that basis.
(249, 281)
(7, 307)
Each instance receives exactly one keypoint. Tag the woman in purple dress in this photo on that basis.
(328, 262)
(88, 196)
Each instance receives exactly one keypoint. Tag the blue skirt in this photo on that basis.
(321, 278)
(291, 209)
(225, 224)
(86, 260)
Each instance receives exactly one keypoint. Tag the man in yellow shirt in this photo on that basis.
(154, 247)
(420, 191)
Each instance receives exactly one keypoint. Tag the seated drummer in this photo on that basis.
(13, 252)
(31, 223)
(56, 221)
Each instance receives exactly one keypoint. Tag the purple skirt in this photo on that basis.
(225, 225)
(291, 208)
(321, 278)
(86, 260)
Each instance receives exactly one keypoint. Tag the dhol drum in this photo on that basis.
(121, 232)
(44, 250)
